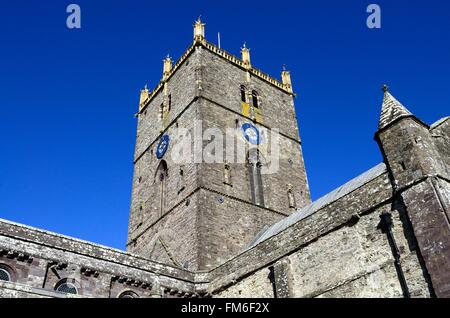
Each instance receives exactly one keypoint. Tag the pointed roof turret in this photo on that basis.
(391, 110)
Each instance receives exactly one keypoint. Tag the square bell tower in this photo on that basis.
(218, 157)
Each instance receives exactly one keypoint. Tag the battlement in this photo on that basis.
(201, 41)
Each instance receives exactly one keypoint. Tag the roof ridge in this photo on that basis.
(439, 122)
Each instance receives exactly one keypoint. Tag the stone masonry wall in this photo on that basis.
(428, 211)
(182, 86)
(289, 170)
(221, 84)
(226, 226)
(353, 257)
(146, 195)
(418, 168)
(39, 260)
(257, 285)
(173, 239)
(332, 253)
(355, 260)
(195, 237)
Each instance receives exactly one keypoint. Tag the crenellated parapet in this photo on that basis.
(200, 41)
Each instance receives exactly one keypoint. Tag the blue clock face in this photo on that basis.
(251, 134)
(162, 146)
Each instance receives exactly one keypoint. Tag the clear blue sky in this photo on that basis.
(67, 97)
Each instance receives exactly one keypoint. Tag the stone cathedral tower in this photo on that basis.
(197, 213)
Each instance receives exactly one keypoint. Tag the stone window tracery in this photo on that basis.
(67, 286)
(4, 275)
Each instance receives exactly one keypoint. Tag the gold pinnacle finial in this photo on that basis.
(144, 95)
(385, 88)
(199, 29)
(286, 79)
(167, 66)
(245, 54)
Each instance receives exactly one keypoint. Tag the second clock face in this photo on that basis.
(251, 133)
(162, 146)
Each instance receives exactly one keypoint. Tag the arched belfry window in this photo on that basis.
(255, 163)
(243, 94)
(255, 99)
(161, 179)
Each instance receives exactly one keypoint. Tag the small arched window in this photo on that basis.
(161, 178)
(67, 286)
(4, 275)
(255, 99)
(243, 94)
(128, 294)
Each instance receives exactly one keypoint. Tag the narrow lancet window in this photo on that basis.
(255, 99)
(243, 94)
(161, 178)
(254, 163)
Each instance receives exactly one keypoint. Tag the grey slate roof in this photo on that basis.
(318, 204)
(440, 121)
(391, 110)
